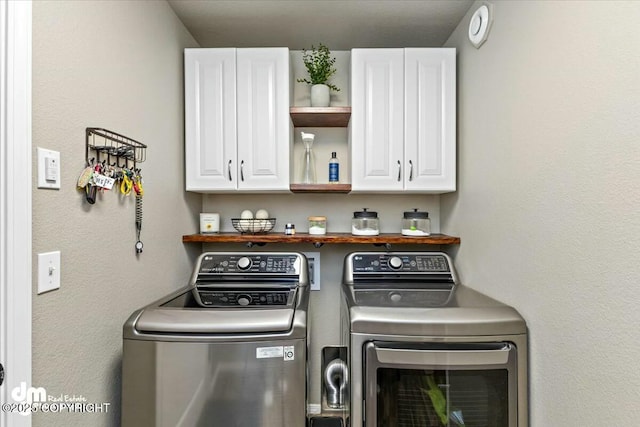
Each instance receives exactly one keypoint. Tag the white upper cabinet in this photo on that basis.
(210, 119)
(237, 124)
(377, 119)
(403, 120)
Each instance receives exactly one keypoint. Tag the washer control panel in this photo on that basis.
(254, 263)
(399, 263)
(246, 298)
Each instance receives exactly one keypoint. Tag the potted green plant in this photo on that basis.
(319, 64)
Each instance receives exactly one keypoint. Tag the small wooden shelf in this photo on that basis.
(320, 188)
(322, 117)
(340, 238)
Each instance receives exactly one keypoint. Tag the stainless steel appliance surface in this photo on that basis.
(228, 349)
(426, 350)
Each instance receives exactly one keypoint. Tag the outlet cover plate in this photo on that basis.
(314, 269)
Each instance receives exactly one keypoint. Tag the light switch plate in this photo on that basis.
(48, 169)
(48, 271)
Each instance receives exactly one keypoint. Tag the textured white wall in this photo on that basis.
(118, 65)
(547, 207)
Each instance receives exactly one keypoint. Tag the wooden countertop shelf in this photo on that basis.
(322, 117)
(318, 240)
(320, 188)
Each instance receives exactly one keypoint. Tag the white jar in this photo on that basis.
(317, 225)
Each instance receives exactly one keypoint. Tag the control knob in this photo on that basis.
(244, 263)
(395, 262)
(244, 299)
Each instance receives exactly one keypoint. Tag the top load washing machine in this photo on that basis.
(426, 350)
(229, 349)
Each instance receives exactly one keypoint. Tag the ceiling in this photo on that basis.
(339, 24)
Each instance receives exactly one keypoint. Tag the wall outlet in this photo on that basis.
(314, 269)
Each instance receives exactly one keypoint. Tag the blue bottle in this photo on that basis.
(334, 169)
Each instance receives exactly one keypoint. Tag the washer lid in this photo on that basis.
(180, 314)
(214, 321)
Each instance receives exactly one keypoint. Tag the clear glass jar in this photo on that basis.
(365, 223)
(317, 225)
(416, 223)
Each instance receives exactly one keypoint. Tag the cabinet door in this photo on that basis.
(210, 119)
(263, 119)
(430, 120)
(377, 119)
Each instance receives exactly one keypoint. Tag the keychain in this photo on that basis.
(126, 185)
(85, 177)
(137, 186)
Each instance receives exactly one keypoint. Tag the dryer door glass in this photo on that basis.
(437, 385)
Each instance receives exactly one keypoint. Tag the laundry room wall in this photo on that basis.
(547, 205)
(117, 65)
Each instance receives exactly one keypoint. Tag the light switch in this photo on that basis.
(48, 271)
(48, 168)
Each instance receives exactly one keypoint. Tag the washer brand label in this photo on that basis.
(269, 352)
(286, 353)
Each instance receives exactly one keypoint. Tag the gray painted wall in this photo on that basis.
(117, 65)
(547, 206)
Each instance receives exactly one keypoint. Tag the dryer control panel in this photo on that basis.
(400, 262)
(391, 266)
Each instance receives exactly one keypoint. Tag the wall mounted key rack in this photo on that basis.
(109, 146)
(114, 158)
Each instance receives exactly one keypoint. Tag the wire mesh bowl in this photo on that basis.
(253, 226)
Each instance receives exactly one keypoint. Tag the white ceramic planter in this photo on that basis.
(320, 96)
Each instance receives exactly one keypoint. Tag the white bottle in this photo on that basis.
(334, 169)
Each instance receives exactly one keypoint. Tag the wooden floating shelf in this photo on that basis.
(341, 238)
(320, 188)
(322, 117)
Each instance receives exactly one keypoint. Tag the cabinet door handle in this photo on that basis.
(242, 170)
(410, 170)
(399, 170)
(229, 170)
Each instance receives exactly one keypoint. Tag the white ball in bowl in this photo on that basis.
(262, 214)
(246, 223)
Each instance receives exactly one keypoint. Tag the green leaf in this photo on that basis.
(319, 64)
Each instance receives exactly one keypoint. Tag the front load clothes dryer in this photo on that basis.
(426, 350)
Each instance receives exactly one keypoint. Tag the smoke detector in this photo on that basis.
(480, 24)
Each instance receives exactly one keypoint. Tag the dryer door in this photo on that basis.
(437, 384)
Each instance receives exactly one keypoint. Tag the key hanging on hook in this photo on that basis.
(137, 187)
